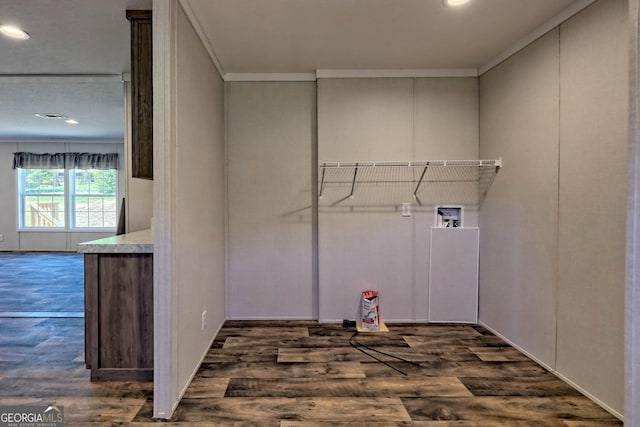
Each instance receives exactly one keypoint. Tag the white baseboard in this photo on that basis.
(195, 371)
(283, 318)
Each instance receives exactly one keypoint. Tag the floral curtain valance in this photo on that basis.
(24, 160)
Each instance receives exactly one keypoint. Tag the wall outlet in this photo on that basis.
(1, 237)
(204, 320)
(406, 209)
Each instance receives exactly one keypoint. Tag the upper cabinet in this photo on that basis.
(141, 94)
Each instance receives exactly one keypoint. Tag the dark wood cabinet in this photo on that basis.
(119, 316)
(141, 94)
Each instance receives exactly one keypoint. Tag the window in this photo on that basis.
(93, 198)
(67, 199)
(43, 198)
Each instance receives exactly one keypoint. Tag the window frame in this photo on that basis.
(69, 195)
(73, 195)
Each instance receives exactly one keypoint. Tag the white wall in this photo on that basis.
(519, 120)
(200, 203)
(8, 195)
(270, 137)
(594, 96)
(632, 323)
(46, 240)
(365, 243)
(552, 256)
(189, 203)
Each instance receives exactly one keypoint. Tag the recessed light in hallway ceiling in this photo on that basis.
(455, 3)
(57, 116)
(14, 32)
(51, 116)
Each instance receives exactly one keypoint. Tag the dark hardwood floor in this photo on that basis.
(307, 374)
(283, 373)
(304, 374)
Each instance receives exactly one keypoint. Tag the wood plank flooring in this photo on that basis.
(304, 374)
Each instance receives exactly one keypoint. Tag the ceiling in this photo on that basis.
(283, 36)
(79, 49)
(72, 65)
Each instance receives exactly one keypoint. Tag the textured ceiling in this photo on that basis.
(98, 107)
(71, 39)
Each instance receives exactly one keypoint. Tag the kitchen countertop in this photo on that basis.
(136, 242)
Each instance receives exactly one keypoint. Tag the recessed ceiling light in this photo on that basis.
(455, 3)
(53, 116)
(71, 121)
(14, 32)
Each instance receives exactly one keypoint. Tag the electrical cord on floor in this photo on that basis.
(358, 346)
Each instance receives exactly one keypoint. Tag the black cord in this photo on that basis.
(358, 346)
(387, 354)
(372, 356)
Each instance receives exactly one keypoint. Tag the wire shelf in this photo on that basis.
(350, 184)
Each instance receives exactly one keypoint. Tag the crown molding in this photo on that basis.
(348, 74)
(191, 16)
(270, 77)
(549, 25)
(400, 73)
